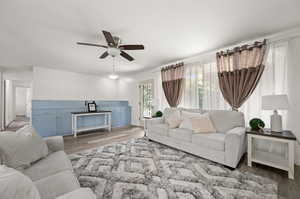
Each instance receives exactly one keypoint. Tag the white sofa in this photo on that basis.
(52, 176)
(226, 146)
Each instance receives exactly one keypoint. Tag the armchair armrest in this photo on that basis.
(235, 145)
(55, 143)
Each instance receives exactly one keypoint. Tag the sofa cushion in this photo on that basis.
(52, 164)
(172, 117)
(187, 120)
(187, 114)
(56, 185)
(174, 122)
(215, 141)
(226, 120)
(82, 193)
(181, 134)
(171, 113)
(202, 124)
(15, 185)
(20, 149)
(191, 110)
(161, 129)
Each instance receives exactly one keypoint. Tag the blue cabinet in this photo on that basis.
(53, 117)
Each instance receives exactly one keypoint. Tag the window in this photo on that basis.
(202, 87)
(146, 89)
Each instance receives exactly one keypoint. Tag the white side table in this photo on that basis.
(148, 120)
(268, 158)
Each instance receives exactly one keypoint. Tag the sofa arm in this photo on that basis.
(55, 143)
(235, 146)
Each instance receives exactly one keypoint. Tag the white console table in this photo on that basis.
(76, 115)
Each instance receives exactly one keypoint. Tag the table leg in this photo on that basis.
(109, 122)
(291, 159)
(249, 151)
(75, 126)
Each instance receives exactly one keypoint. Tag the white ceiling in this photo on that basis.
(44, 32)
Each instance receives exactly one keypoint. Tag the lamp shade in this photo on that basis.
(275, 102)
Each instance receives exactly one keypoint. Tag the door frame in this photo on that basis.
(149, 81)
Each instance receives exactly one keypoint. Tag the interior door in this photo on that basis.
(146, 91)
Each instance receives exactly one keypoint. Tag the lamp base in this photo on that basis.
(276, 122)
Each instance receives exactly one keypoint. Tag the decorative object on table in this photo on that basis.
(92, 107)
(158, 114)
(256, 124)
(275, 102)
(146, 168)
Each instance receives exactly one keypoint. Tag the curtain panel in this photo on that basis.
(172, 83)
(201, 89)
(239, 71)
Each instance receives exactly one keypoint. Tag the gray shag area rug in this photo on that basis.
(140, 169)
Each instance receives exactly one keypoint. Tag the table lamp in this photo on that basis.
(275, 102)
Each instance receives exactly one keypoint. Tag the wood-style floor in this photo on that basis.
(286, 188)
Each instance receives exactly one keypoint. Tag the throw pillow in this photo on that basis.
(15, 185)
(171, 113)
(174, 123)
(186, 123)
(202, 124)
(187, 114)
(20, 149)
(172, 117)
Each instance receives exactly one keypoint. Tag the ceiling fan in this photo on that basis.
(114, 47)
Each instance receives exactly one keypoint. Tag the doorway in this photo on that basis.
(17, 104)
(146, 93)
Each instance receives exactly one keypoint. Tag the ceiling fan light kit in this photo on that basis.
(114, 47)
(113, 76)
(112, 51)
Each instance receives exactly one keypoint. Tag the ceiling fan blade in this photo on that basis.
(109, 38)
(89, 44)
(105, 54)
(132, 47)
(126, 56)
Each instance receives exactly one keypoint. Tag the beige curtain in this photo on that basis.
(239, 71)
(172, 83)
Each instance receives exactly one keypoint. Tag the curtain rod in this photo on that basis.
(271, 39)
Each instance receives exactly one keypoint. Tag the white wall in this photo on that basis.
(50, 84)
(21, 100)
(134, 96)
(1, 100)
(293, 91)
(20, 74)
(28, 102)
(10, 113)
